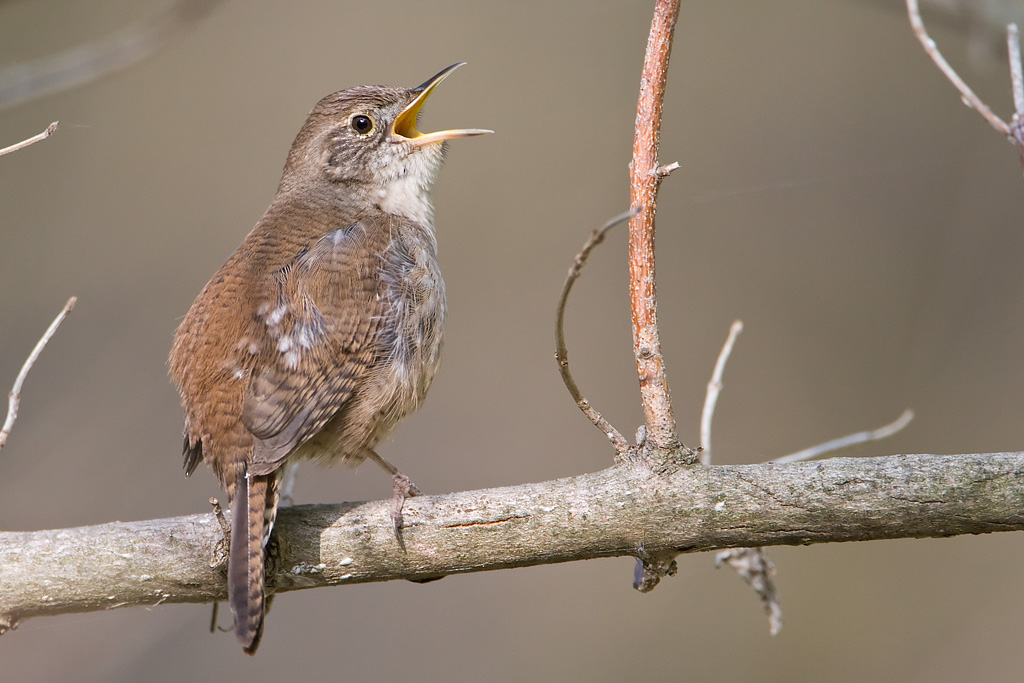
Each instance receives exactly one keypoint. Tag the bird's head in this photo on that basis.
(364, 144)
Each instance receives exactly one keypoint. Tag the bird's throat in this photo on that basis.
(404, 188)
(409, 196)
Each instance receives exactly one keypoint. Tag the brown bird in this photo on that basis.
(323, 329)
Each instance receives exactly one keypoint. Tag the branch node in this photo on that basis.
(651, 568)
(667, 461)
(664, 171)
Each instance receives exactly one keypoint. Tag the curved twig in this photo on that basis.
(562, 352)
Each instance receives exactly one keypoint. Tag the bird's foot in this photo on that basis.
(404, 488)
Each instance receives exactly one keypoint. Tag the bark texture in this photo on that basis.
(623, 510)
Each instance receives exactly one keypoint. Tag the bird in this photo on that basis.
(324, 328)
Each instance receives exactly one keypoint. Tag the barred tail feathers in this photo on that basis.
(246, 590)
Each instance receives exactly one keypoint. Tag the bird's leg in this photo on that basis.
(404, 488)
(221, 551)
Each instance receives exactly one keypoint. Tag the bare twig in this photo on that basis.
(752, 564)
(754, 567)
(14, 398)
(644, 182)
(849, 440)
(23, 82)
(714, 389)
(666, 170)
(50, 130)
(1017, 85)
(1016, 74)
(968, 96)
(562, 352)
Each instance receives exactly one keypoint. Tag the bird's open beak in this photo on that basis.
(404, 127)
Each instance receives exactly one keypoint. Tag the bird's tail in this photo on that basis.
(252, 516)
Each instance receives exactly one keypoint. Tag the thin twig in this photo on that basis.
(84, 63)
(1017, 85)
(644, 182)
(14, 398)
(849, 440)
(754, 567)
(752, 564)
(714, 389)
(666, 170)
(968, 96)
(50, 130)
(1016, 74)
(562, 352)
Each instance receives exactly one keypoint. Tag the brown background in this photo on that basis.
(834, 194)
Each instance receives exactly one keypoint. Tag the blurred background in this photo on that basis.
(834, 194)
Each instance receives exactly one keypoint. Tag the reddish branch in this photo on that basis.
(645, 176)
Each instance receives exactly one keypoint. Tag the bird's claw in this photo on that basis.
(404, 488)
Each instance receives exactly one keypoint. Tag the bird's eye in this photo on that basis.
(361, 124)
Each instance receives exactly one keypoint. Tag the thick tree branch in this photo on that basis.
(624, 510)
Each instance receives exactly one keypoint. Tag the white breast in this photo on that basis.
(408, 196)
(407, 178)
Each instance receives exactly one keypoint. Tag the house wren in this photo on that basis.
(323, 329)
